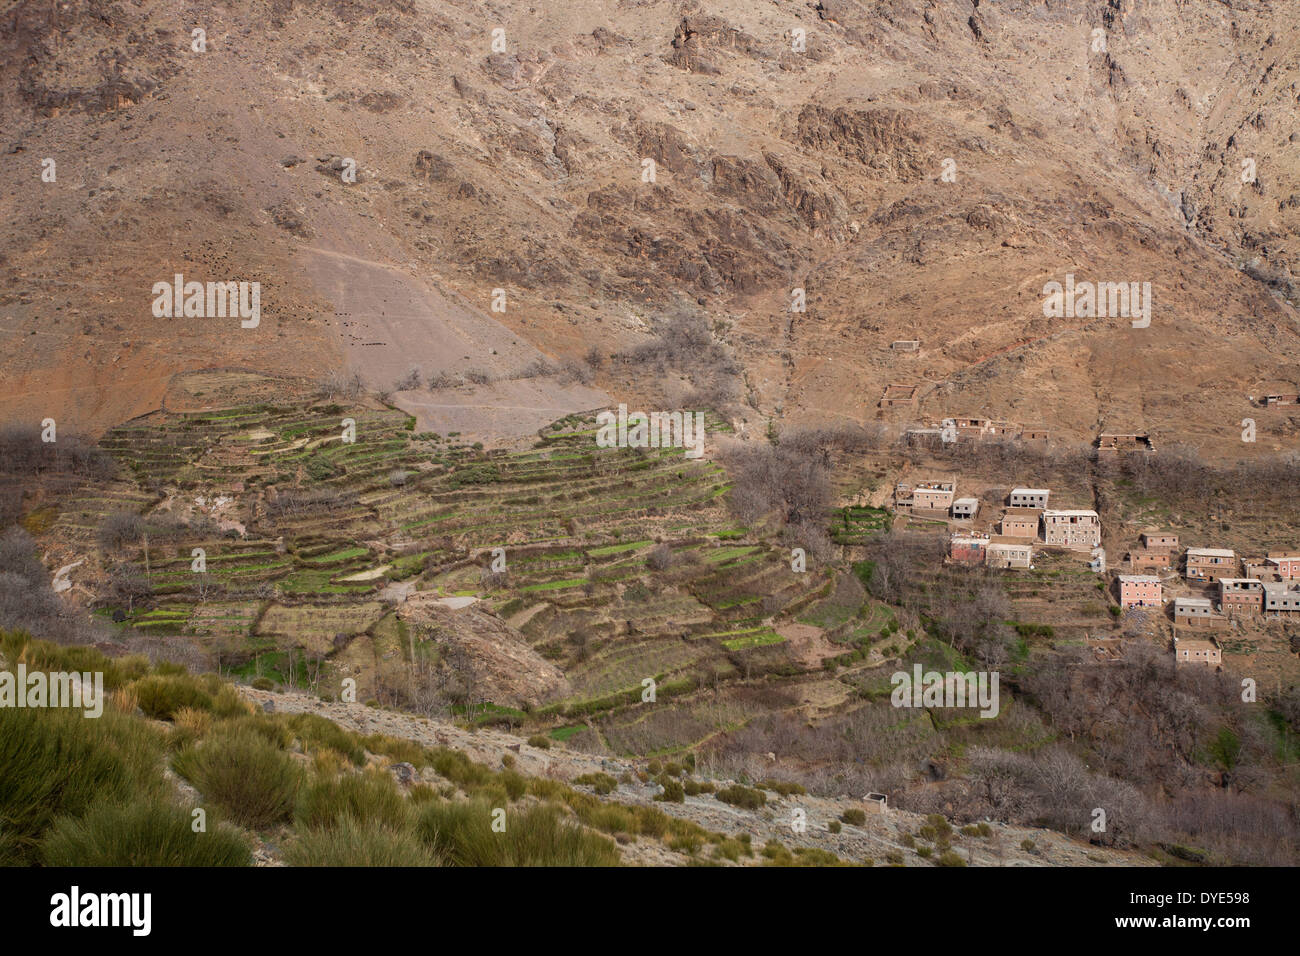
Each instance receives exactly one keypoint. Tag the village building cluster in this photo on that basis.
(1025, 523)
(1229, 587)
(1224, 585)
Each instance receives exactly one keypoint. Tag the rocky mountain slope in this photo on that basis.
(921, 169)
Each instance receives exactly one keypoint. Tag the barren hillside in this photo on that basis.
(1109, 141)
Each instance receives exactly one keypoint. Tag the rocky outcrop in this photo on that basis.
(483, 651)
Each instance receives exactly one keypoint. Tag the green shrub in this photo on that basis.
(47, 656)
(538, 836)
(161, 695)
(54, 762)
(950, 858)
(835, 826)
(142, 833)
(855, 816)
(602, 783)
(540, 741)
(459, 769)
(254, 782)
(515, 783)
(741, 796)
(783, 787)
(674, 792)
(349, 843)
(366, 797)
(732, 849)
(263, 683)
(317, 733)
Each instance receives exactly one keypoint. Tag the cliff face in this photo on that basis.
(921, 169)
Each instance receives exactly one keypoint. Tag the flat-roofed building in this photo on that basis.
(968, 548)
(1072, 529)
(933, 495)
(965, 508)
(1239, 596)
(1211, 564)
(1195, 612)
(1028, 497)
(1140, 590)
(1009, 554)
(1119, 443)
(1281, 598)
(1159, 541)
(1280, 398)
(1020, 523)
(1192, 650)
(1144, 559)
(1286, 564)
(899, 396)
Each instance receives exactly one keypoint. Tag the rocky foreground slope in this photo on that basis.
(878, 839)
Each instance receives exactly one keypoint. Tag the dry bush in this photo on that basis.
(292, 501)
(411, 380)
(339, 384)
(27, 602)
(23, 453)
(537, 368)
(660, 557)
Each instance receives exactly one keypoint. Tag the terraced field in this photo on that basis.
(283, 528)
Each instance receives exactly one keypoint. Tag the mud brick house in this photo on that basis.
(965, 508)
(1190, 650)
(1002, 429)
(1117, 443)
(1028, 497)
(968, 429)
(1241, 596)
(1009, 554)
(1281, 598)
(1211, 564)
(1143, 559)
(1280, 398)
(905, 345)
(899, 396)
(1159, 541)
(1195, 612)
(1037, 433)
(1140, 590)
(1285, 564)
(1158, 549)
(933, 495)
(968, 548)
(1020, 523)
(1259, 568)
(1072, 529)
